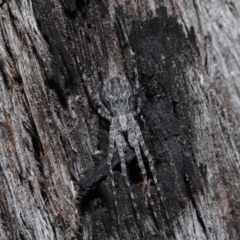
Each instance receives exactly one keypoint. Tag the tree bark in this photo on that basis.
(54, 144)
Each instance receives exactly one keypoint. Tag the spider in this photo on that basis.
(118, 98)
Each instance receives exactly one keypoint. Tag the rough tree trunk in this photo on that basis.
(54, 176)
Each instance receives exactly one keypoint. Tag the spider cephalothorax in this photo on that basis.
(118, 98)
(117, 93)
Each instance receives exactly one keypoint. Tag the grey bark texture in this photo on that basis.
(53, 143)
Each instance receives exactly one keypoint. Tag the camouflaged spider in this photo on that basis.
(118, 98)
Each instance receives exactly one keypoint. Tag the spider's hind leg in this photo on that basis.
(151, 166)
(120, 145)
(145, 181)
(149, 158)
(133, 140)
(109, 162)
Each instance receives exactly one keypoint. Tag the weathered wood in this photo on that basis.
(53, 148)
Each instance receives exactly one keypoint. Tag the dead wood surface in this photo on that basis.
(54, 178)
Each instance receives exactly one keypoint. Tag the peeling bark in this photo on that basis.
(54, 177)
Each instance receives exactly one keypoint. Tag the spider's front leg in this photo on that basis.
(102, 110)
(94, 95)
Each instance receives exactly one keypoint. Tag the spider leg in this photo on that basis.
(132, 65)
(95, 98)
(137, 88)
(109, 162)
(149, 157)
(133, 140)
(150, 160)
(147, 154)
(104, 112)
(143, 171)
(124, 173)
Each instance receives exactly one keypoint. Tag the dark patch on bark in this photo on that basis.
(36, 142)
(99, 204)
(69, 7)
(162, 51)
(63, 74)
(93, 177)
(2, 3)
(4, 75)
(43, 192)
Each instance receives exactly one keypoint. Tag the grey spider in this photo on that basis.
(118, 97)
